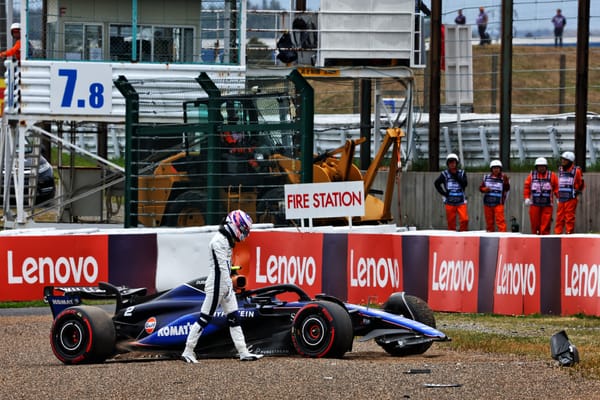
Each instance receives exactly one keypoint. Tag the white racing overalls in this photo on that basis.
(219, 291)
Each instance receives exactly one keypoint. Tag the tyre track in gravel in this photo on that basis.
(30, 370)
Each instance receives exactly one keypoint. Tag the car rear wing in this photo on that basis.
(62, 297)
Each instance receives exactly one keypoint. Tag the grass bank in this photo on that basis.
(528, 336)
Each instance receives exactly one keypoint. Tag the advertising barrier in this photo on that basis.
(474, 272)
(453, 273)
(32, 262)
(517, 282)
(580, 276)
(373, 267)
(269, 258)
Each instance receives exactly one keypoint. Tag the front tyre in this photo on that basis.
(83, 335)
(322, 329)
(410, 307)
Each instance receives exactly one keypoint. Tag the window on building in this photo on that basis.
(83, 42)
(153, 44)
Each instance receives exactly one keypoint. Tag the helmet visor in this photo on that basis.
(244, 231)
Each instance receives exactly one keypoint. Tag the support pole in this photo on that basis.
(434, 87)
(581, 85)
(506, 82)
(365, 123)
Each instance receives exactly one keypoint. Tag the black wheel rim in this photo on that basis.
(71, 337)
(313, 331)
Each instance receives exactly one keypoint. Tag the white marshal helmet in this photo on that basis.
(495, 163)
(568, 155)
(239, 223)
(541, 161)
(14, 26)
(452, 156)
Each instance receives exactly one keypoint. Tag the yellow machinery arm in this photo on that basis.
(393, 137)
(337, 166)
(328, 168)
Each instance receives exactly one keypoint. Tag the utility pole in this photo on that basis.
(581, 84)
(435, 51)
(506, 83)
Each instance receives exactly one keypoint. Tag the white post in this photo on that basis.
(20, 175)
(458, 100)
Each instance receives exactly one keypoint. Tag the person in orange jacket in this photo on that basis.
(451, 185)
(495, 187)
(570, 185)
(15, 51)
(541, 186)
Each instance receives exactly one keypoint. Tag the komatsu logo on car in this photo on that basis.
(182, 330)
(174, 330)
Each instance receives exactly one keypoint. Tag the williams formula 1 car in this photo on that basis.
(277, 320)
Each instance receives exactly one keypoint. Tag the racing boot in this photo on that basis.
(188, 354)
(240, 345)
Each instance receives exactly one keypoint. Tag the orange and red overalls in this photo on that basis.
(570, 184)
(541, 188)
(14, 51)
(451, 185)
(495, 189)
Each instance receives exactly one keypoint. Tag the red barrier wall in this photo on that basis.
(580, 276)
(453, 273)
(499, 273)
(374, 267)
(282, 257)
(517, 285)
(32, 262)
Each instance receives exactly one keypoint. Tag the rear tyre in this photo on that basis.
(83, 335)
(417, 310)
(322, 329)
(187, 209)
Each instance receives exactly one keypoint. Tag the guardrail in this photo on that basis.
(532, 137)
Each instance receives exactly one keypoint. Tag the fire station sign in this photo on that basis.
(324, 200)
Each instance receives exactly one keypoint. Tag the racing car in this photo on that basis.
(280, 319)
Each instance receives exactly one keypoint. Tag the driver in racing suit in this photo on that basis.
(219, 287)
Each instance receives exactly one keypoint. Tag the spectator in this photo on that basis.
(451, 185)
(570, 185)
(559, 22)
(460, 18)
(495, 187)
(15, 51)
(539, 190)
(482, 21)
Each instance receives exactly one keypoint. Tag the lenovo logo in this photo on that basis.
(299, 270)
(47, 270)
(452, 275)
(374, 272)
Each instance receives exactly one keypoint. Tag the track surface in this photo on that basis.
(30, 370)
